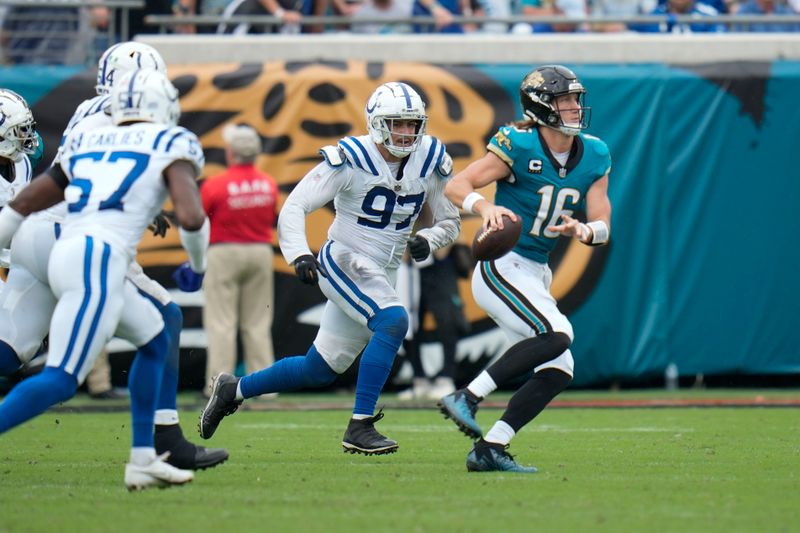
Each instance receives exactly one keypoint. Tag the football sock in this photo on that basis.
(144, 383)
(526, 355)
(482, 385)
(34, 395)
(501, 433)
(142, 455)
(289, 373)
(173, 323)
(389, 326)
(166, 417)
(9, 361)
(533, 396)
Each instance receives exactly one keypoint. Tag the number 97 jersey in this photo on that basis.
(539, 188)
(116, 178)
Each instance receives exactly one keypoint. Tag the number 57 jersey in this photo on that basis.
(116, 179)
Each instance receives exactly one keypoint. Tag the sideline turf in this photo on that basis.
(615, 470)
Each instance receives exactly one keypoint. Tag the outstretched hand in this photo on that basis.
(571, 227)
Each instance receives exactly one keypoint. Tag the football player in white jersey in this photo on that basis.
(24, 321)
(378, 183)
(18, 144)
(115, 180)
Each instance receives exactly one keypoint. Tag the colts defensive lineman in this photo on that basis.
(115, 180)
(27, 303)
(378, 183)
(545, 169)
(20, 151)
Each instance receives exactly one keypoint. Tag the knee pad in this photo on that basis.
(392, 321)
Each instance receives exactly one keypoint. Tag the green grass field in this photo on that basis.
(686, 469)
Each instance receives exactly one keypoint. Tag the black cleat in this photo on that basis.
(461, 407)
(182, 453)
(222, 403)
(491, 457)
(362, 437)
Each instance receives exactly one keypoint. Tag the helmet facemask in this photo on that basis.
(390, 104)
(17, 127)
(540, 92)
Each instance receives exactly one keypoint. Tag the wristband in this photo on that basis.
(279, 13)
(470, 201)
(196, 243)
(600, 232)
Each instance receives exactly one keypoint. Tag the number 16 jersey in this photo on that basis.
(539, 188)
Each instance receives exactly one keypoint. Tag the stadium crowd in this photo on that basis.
(52, 34)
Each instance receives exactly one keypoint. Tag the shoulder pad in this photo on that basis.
(445, 166)
(333, 155)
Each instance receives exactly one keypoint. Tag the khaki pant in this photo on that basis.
(98, 380)
(239, 292)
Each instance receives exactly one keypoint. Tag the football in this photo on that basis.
(490, 245)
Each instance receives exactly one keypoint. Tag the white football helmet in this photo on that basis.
(17, 127)
(125, 57)
(144, 96)
(395, 101)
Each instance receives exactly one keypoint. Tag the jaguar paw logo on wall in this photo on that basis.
(299, 107)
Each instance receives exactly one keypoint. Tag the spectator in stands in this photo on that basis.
(241, 204)
(442, 11)
(618, 8)
(390, 9)
(681, 7)
(549, 8)
(765, 7)
(289, 11)
(45, 35)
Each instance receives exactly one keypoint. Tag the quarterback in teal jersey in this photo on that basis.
(545, 169)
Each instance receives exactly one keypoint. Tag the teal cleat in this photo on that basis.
(461, 407)
(491, 457)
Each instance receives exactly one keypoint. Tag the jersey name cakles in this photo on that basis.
(116, 181)
(539, 188)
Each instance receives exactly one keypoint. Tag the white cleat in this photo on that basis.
(158, 473)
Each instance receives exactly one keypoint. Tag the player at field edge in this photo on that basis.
(115, 180)
(545, 168)
(378, 183)
(26, 303)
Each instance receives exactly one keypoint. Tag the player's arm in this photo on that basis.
(446, 221)
(597, 230)
(315, 190)
(45, 190)
(461, 190)
(181, 179)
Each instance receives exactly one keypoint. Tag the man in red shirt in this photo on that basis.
(241, 204)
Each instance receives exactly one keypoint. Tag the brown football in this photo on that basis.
(490, 245)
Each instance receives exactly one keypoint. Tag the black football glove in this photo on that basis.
(308, 269)
(159, 225)
(419, 247)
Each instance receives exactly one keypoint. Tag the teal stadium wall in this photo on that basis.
(703, 266)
